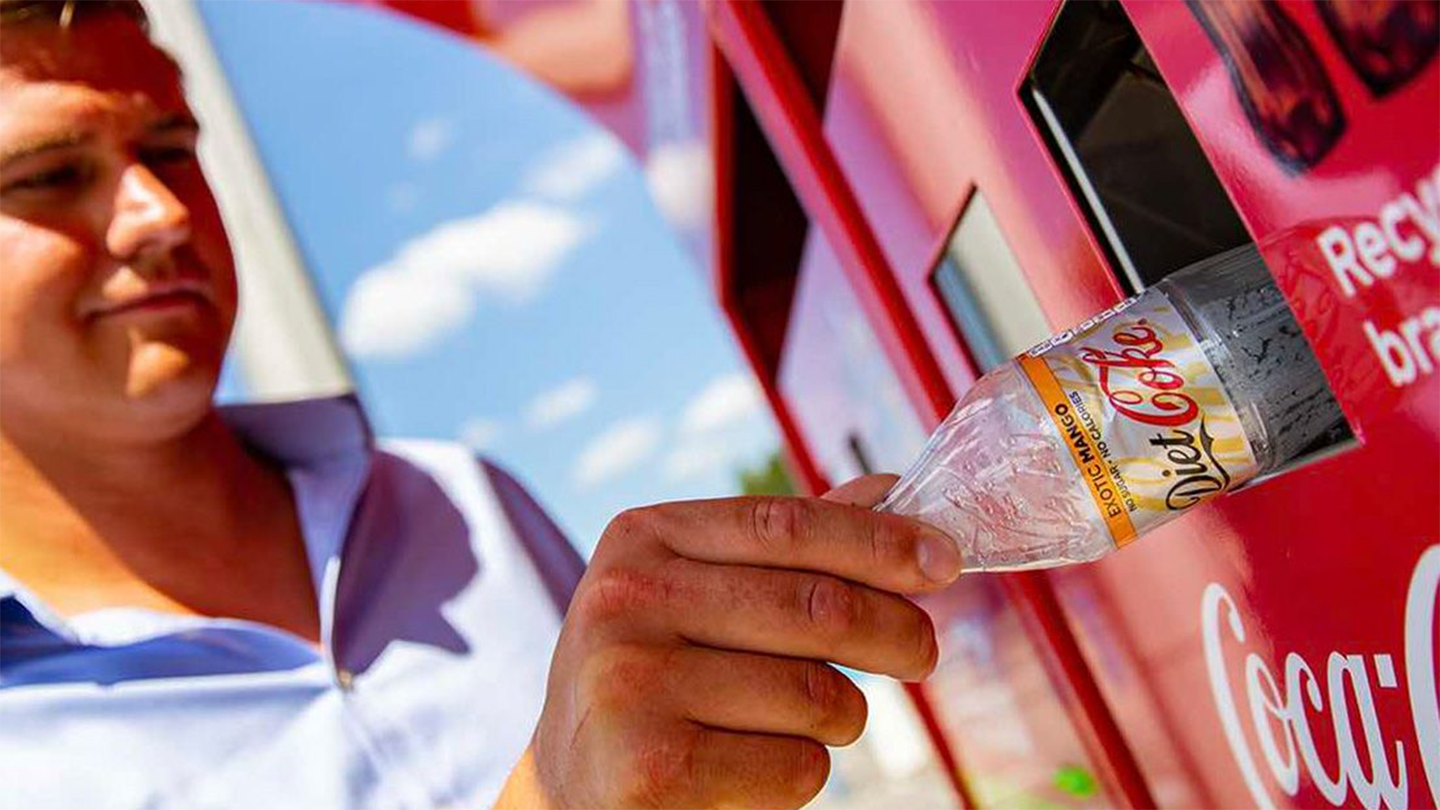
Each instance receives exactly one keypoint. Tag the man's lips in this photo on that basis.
(159, 298)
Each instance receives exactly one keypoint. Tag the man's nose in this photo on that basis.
(148, 218)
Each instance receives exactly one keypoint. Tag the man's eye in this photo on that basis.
(60, 178)
(167, 155)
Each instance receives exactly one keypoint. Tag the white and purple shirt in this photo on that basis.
(439, 583)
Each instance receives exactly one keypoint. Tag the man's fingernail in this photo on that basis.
(939, 558)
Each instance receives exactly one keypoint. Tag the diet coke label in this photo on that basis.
(1285, 712)
(1143, 413)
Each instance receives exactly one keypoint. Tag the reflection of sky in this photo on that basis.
(848, 383)
(893, 433)
(494, 264)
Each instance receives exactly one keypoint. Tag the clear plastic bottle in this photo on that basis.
(1078, 446)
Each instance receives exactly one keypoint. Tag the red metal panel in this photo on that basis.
(1211, 625)
(923, 107)
(909, 119)
(458, 17)
(801, 461)
(1327, 567)
(790, 121)
(991, 695)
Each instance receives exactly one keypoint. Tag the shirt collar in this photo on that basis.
(325, 446)
(304, 433)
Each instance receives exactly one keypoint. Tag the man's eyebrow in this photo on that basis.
(41, 145)
(176, 122)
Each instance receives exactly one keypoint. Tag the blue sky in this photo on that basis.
(492, 261)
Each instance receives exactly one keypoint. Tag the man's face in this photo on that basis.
(117, 285)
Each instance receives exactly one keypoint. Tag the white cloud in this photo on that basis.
(429, 288)
(560, 403)
(510, 251)
(622, 447)
(682, 183)
(725, 401)
(480, 433)
(573, 169)
(430, 137)
(711, 434)
(394, 312)
(697, 456)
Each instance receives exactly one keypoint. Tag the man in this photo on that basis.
(259, 608)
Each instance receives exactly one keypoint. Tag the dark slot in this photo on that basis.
(1147, 189)
(859, 454)
(768, 239)
(1125, 148)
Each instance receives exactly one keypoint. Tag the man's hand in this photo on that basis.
(691, 669)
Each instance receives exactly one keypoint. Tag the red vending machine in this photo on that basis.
(907, 193)
(972, 176)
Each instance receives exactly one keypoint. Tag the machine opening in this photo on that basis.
(984, 291)
(1125, 147)
(1130, 157)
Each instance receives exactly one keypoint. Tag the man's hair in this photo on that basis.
(64, 12)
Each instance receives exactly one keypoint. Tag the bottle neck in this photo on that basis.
(1258, 351)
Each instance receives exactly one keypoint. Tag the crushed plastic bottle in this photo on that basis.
(1078, 446)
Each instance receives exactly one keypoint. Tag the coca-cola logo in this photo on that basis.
(1138, 381)
(1197, 473)
(1283, 710)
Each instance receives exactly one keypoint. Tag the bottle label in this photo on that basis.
(1143, 413)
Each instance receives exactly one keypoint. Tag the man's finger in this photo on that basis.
(765, 694)
(864, 492)
(758, 770)
(793, 614)
(886, 551)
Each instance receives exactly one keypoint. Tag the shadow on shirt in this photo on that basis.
(408, 553)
